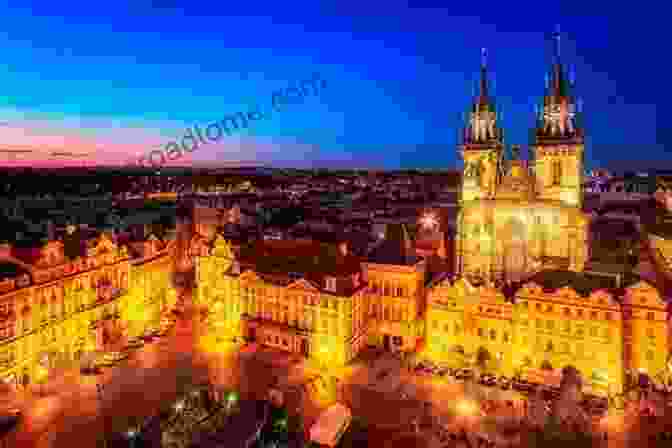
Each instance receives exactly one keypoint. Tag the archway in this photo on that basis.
(457, 349)
(515, 256)
(483, 357)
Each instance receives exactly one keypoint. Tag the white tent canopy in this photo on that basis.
(330, 425)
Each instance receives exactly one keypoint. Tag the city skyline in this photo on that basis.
(102, 89)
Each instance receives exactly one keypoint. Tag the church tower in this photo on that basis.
(559, 142)
(482, 144)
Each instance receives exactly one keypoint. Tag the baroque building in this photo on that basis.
(54, 309)
(300, 296)
(555, 319)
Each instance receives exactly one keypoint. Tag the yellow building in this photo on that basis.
(299, 296)
(55, 309)
(396, 292)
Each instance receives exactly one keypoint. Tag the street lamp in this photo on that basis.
(132, 436)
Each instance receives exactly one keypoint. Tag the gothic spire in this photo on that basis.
(558, 86)
(482, 126)
(483, 93)
(558, 114)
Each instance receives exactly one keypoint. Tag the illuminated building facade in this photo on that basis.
(546, 325)
(396, 292)
(56, 309)
(300, 296)
(514, 220)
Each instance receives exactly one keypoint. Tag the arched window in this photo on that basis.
(493, 335)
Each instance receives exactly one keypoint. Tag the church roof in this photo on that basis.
(396, 249)
(582, 282)
(517, 183)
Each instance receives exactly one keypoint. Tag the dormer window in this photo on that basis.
(331, 284)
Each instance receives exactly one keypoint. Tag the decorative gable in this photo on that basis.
(643, 293)
(601, 296)
(105, 244)
(222, 248)
(463, 287)
(249, 276)
(531, 289)
(304, 285)
(51, 254)
(567, 292)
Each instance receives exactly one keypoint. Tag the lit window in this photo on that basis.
(331, 284)
(556, 172)
(493, 335)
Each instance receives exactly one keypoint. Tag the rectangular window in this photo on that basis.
(556, 172)
(650, 316)
(331, 284)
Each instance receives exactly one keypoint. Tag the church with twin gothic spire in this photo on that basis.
(520, 216)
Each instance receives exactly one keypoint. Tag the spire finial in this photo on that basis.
(556, 39)
(484, 76)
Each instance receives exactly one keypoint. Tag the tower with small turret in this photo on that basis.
(482, 144)
(558, 145)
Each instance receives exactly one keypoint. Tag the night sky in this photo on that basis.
(102, 83)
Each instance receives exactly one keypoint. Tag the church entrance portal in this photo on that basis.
(387, 345)
(514, 250)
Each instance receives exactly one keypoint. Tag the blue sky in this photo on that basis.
(107, 82)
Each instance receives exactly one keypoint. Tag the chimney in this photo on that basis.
(51, 230)
(5, 250)
(343, 248)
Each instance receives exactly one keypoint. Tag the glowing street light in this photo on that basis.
(429, 221)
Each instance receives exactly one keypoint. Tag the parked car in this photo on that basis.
(112, 358)
(521, 385)
(464, 374)
(504, 383)
(135, 343)
(443, 371)
(91, 370)
(149, 338)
